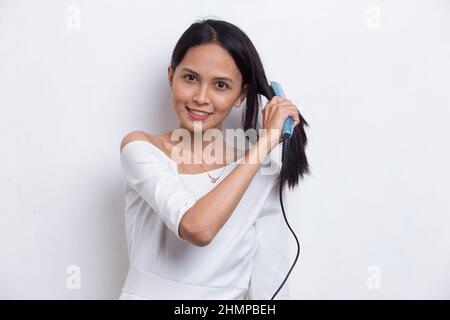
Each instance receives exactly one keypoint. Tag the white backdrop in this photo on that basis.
(371, 77)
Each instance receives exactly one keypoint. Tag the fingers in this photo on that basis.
(296, 120)
(277, 99)
(291, 109)
(296, 117)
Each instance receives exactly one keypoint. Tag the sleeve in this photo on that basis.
(271, 260)
(151, 176)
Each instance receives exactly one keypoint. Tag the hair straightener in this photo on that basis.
(286, 133)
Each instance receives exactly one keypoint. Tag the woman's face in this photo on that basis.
(207, 80)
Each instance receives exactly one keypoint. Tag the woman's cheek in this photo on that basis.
(183, 93)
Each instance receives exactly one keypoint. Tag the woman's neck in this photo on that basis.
(214, 150)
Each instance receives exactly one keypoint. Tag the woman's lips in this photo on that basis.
(197, 116)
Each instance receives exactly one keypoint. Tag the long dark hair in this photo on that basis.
(239, 46)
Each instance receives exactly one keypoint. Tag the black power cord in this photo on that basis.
(284, 160)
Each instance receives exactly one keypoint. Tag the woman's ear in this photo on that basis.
(170, 73)
(242, 96)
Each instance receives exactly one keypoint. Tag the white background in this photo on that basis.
(371, 77)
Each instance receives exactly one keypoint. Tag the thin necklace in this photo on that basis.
(213, 180)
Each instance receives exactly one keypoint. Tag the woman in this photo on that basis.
(208, 230)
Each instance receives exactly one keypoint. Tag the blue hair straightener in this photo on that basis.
(288, 126)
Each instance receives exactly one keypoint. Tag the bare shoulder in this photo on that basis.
(138, 135)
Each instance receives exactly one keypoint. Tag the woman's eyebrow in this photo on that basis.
(218, 78)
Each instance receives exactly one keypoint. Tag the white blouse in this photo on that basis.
(248, 258)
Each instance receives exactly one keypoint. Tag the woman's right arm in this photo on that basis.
(206, 217)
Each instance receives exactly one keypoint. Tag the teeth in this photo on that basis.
(199, 113)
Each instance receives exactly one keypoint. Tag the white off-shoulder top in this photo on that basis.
(247, 259)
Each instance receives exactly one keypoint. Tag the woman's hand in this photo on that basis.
(274, 114)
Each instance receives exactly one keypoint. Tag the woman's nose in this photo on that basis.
(201, 96)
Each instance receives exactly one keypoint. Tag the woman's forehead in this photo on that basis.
(211, 61)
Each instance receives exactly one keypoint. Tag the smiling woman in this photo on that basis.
(218, 233)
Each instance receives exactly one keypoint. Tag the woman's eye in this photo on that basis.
(224, 85)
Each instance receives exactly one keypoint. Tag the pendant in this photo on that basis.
(213, 180)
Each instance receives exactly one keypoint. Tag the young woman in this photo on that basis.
(210, 230)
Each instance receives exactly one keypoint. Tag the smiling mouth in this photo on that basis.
(200, 113)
